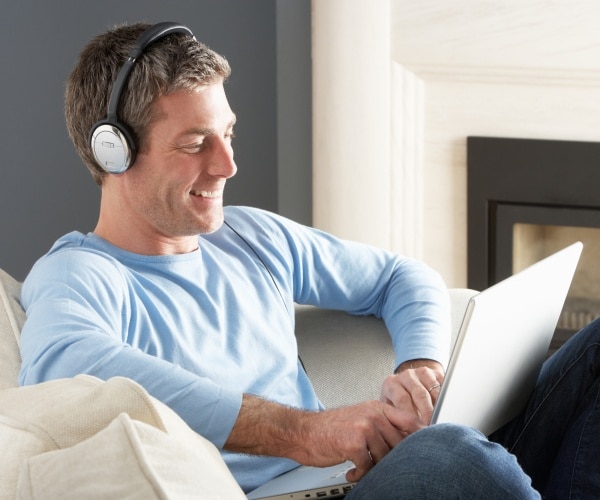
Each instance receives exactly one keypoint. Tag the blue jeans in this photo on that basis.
(551, 450)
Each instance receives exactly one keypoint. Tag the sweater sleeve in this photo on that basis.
(77, 311)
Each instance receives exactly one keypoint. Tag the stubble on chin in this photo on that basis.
(212, 223)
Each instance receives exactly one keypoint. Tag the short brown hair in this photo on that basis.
(174, 63)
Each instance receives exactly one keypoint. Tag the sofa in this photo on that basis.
(86, 438)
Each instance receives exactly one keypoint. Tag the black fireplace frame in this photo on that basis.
(534, 181)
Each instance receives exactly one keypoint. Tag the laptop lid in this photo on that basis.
(502, 343)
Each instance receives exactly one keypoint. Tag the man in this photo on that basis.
(195, 302)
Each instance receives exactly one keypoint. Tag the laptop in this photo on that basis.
(501, 345)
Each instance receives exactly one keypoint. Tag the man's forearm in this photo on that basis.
(266, 428)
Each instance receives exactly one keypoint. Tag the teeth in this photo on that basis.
(207, 194)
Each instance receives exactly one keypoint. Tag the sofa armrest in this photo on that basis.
(346, 366)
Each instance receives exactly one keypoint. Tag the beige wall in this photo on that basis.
(398, 85)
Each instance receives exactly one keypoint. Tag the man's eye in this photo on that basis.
(193, 148)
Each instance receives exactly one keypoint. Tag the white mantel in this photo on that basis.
(399, 85)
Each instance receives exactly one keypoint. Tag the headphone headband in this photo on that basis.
(112, 141)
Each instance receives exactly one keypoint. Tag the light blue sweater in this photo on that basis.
(198, 330)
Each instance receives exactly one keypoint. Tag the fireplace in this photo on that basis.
(526, 199)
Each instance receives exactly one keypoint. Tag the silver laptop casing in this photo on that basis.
(502, 343)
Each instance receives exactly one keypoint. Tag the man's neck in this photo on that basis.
(134, 237)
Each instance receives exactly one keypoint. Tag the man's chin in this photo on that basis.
(212, 226)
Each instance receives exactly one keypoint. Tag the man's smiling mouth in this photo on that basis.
(208, 194)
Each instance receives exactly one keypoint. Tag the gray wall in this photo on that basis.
(45, 191)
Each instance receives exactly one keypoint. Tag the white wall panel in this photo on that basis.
(512, 68)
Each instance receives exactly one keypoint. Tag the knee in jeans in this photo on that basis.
(454, 447)
(447, 461)
(448, 440)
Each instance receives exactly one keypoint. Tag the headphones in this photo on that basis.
(112, 141)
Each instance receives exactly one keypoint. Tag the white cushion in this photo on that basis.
(12, 318)
(127, 459)
(85, 438)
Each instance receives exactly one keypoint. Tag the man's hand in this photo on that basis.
(415, 388)
(362, 433)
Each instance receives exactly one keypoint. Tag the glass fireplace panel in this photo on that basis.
(532, 242)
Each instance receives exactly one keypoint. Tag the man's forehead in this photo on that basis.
(210, 111)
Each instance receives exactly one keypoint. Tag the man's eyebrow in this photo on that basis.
(206, 131)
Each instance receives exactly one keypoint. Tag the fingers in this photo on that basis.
(355, 475)
(417, 388)
(435, 387)
(363, 433)
(362, 466)
(384, 435)
(423, 392)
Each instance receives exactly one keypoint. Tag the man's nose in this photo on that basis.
(222, 162)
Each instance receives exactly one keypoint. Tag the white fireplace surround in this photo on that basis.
(398, 85)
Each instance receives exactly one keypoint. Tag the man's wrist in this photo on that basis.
(418, 363)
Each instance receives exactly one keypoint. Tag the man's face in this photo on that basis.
(175, 187)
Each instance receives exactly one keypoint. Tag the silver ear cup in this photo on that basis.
(111, 149)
